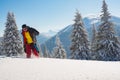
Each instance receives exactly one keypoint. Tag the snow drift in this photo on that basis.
(57, 69)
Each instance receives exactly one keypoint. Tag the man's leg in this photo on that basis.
(35, 52)
(28, 51)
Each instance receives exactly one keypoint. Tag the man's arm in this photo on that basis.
(35, 31)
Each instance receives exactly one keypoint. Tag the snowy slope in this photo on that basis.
(55, 69)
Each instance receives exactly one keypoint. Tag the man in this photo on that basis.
(29, 40)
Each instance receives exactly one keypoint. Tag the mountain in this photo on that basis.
(45, 36)
(65, 33)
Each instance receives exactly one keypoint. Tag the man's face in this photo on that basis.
(25, 29)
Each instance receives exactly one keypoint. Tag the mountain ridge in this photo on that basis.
(65, 33)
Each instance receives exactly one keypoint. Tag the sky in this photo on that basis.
(45, 15)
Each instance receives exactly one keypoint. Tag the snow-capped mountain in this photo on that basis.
(50, 33)
(92, 18)
(42, 38)
(65, 33)
(45, 36)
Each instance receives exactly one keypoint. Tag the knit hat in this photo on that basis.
(24, 26)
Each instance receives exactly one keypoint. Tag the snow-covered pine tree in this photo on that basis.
(12, 44)
(0, 48)
(93, 41)
(46, 52)
(108, 45)
(59, 51)
(79, 38)
(94, 34)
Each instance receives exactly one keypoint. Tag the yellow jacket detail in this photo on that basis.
(28, 37)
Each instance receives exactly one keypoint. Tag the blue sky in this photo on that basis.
(47, 15)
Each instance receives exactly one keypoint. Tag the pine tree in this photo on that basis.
(59, 51)
(0, 48)
(79, 38)
(94, 34)
(108, 46)
(46, 52)
(93, 42)
(12, 43)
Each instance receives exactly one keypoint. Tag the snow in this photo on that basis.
(91, 16)
(57, 69)
(94, 18)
